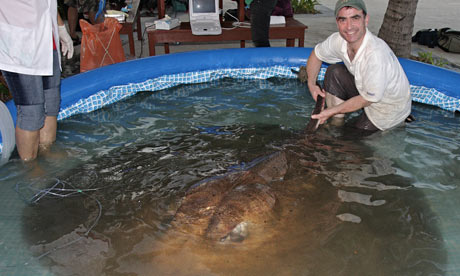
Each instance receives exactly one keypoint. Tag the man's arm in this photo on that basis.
(313, 67)
(347, 106)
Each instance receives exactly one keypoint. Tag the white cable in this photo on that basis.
(237, 23)
(8, 142)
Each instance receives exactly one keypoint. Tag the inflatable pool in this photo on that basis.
(94, 89)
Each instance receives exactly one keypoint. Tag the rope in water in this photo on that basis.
(60, 189)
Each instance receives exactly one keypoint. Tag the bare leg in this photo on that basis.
(27, 143)
(48, 132)
(92, 17)
(72, 18)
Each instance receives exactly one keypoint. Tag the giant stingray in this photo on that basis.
(225, 208)
(269, 206)
(229, 207)
(277, 200)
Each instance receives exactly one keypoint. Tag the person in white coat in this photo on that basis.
(31, 34)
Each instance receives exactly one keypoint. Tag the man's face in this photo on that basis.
(352, 24)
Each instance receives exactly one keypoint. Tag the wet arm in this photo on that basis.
(351, 105)
(313, 67)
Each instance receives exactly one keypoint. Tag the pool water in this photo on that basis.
(384, 204)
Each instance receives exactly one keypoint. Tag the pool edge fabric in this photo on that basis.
(117, 93)
(94, 89)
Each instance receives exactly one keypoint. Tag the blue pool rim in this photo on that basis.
(81, 86)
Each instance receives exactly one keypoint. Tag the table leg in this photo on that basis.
(132, 50)
(139, 28)
(302, 40)
(166, 48)
(290, 42)
(151, 45)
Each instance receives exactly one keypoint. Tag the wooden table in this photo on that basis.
(290, 31)
(127, 26)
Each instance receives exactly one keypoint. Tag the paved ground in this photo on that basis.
(430, 14)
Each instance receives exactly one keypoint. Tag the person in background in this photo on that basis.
(261, 11)
(259, 14)
(369, 79)
(81, 6)
(283, 8)
(31, 34)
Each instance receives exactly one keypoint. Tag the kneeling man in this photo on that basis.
(370, 77)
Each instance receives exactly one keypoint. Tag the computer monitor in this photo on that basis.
(205, 6)
(204, 17)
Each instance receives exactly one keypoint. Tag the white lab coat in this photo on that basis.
(27, 28)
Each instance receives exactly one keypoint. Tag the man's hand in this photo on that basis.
(66, 42)
(315, 90)
(325, 115)
(350, 105)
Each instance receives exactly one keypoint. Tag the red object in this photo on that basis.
(100, 44)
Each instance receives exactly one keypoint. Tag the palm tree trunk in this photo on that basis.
(398, 25)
